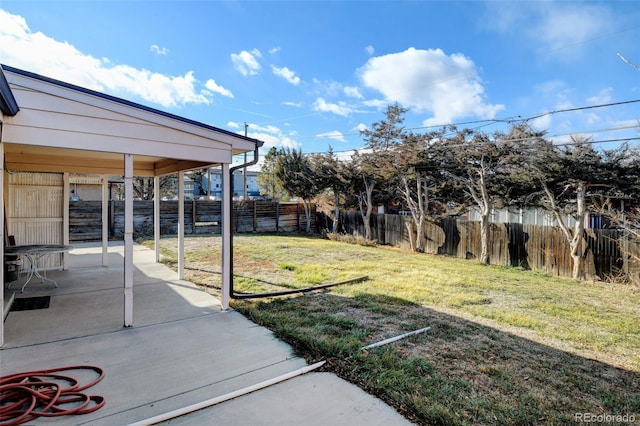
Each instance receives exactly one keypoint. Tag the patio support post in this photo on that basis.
(227, 267)
(105, 220)
(156, 216)
(181, 225)
(2, 312)
(128, 240)
(66, 192)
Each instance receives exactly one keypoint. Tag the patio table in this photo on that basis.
(33, 253)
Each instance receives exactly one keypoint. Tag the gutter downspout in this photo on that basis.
(231, 170)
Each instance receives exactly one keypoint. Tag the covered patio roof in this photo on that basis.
(53, 126)
(47, 125)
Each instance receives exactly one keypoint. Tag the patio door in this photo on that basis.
(34, 211)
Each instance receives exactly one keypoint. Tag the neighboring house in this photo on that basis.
(238, 183)
(51, 130)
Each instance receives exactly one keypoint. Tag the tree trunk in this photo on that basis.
(409, 225)
(336, 211)
(486, 206)
(307, 214)
(574, 239)
(365, 211)
(484, 236)
(420, 234)
(418, 210)
(423, 206)
(576, 242)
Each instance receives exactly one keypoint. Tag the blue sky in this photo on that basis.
(311, 74)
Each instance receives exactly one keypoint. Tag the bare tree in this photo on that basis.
(569, 178)
(418, 163)
(479, 164)
(374, 165)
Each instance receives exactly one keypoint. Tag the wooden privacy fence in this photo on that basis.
(543, 248)
(200, 217)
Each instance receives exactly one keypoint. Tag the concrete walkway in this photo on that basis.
(182, 350)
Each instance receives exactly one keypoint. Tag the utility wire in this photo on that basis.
(514, 119)
(581, 108)
(487, 122)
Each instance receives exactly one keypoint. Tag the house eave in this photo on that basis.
(127, 103)
(8, 104)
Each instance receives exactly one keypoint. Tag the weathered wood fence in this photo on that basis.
(200, 217)
(537, 247)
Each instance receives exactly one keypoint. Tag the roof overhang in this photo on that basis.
(65, 128)
(8, 104)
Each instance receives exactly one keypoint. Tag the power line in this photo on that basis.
(487, 122)
(582, 108)
(555, 136)
(514, 119)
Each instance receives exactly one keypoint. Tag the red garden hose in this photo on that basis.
(29, 395)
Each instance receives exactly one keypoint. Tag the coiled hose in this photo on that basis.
(33, 394)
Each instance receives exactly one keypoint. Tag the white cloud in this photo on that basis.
(353, 92)
(429, 80)
(341, 108)
(593, 118)
(36, 52)
(332, 135)
(552, 26)
(541, 123)
(566, 25)
(360, 127)
(376, 103)
(272, 136)
(233, 125)
(247, 62)
(328, 88)
(274, 50)
(159, 50)
(603, 97)
(370, 50)
(287, 74)
(214, 87)
(293, 104)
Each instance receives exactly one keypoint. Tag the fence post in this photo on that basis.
(255, 215)
(297, 217)
(193, 216)
(277, 215)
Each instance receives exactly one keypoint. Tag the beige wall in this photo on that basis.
(34, 209)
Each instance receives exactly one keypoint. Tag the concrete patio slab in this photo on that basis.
(182, 350)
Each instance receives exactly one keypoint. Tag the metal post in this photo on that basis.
(128, 240)
(227, 260)
(105, 220)
(65, 218)
(180, 225)
(244, 170)
(3, 238)
(156, 216)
